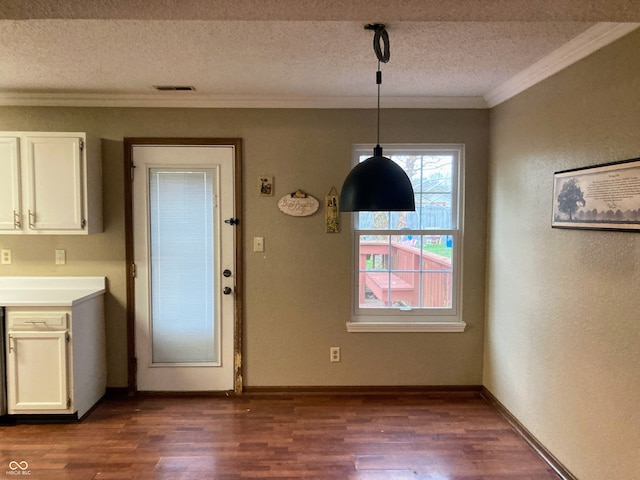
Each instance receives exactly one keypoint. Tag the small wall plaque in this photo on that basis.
(298, 204)
(331, 211)
(265, 186)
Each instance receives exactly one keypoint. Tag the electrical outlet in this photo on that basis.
(258, 244)
(334, 354)
(6, 256)
(61, 257)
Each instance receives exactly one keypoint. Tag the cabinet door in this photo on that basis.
(10, 215)
(37, 372)
(54, 170)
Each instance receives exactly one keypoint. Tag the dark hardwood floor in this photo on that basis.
(257, 436)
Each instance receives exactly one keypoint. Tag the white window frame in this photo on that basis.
(414, 320)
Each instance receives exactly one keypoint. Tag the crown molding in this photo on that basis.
(578, 48)
(585, 44)
(191, 100)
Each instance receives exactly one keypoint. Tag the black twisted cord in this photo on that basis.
(383, 54)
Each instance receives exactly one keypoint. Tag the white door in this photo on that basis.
(185, 256)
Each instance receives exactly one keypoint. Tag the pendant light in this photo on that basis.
(378, 183)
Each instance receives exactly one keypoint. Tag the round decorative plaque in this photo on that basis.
(298, 204)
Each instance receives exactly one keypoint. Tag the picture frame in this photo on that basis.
(265, 186)
(598, 197)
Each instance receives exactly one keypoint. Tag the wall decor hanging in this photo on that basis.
(265, 186)
(298, 204)
(601, 197)
(331, 211)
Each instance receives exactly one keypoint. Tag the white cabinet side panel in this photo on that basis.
(10, 214)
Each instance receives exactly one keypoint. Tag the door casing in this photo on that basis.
(130, 267)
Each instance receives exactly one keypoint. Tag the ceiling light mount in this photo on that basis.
(380, 35)
(378, 183)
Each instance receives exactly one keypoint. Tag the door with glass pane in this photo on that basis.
(185, 258)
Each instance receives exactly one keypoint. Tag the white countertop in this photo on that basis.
(49, 291)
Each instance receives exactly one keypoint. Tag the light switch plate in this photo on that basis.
(258, 244)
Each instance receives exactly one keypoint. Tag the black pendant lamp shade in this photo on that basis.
(378, 183)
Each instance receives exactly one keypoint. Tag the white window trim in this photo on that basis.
(399, 327)
(438, 323)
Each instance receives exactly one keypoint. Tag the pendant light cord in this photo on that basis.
(381, 48)
(378, 82)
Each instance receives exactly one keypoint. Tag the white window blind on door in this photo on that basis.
(182, 266)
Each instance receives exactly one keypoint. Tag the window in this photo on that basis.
(407, 265)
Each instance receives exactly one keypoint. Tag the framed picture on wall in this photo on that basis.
(265, 186)
(602, 197)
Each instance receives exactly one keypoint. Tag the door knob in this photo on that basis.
(227, 290)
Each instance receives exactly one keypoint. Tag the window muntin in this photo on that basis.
(406, 264)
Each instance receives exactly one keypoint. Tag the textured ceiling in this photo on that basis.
(283, 51)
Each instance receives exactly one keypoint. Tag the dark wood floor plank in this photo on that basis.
(259, 436)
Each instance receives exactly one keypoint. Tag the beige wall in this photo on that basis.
(562, 348)
(297, 291)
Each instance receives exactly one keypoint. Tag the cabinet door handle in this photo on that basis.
(32, 219)
(16, 220)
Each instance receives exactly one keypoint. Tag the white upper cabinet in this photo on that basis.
(57, 184)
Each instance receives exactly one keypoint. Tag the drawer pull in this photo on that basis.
(43, 322)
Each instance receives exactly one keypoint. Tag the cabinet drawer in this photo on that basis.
(35, 320)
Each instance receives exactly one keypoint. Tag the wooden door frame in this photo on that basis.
(129, 143)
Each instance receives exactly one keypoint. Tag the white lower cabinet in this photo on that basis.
(55, 358)
(38, 372)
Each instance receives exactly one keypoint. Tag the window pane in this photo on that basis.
(436, 174)
(385, 220)
(437, 247)
(432, 211)
(374, 252)
(437, 251)
(182, 265)
(410, 270)
(436, 290)
(432, 179)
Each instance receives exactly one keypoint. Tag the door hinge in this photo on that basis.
(67, 337)
(134, 270)
(133, 168)
(69, 402)
(81, 145)
(83, 223)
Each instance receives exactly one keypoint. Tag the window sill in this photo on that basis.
(354, 327)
